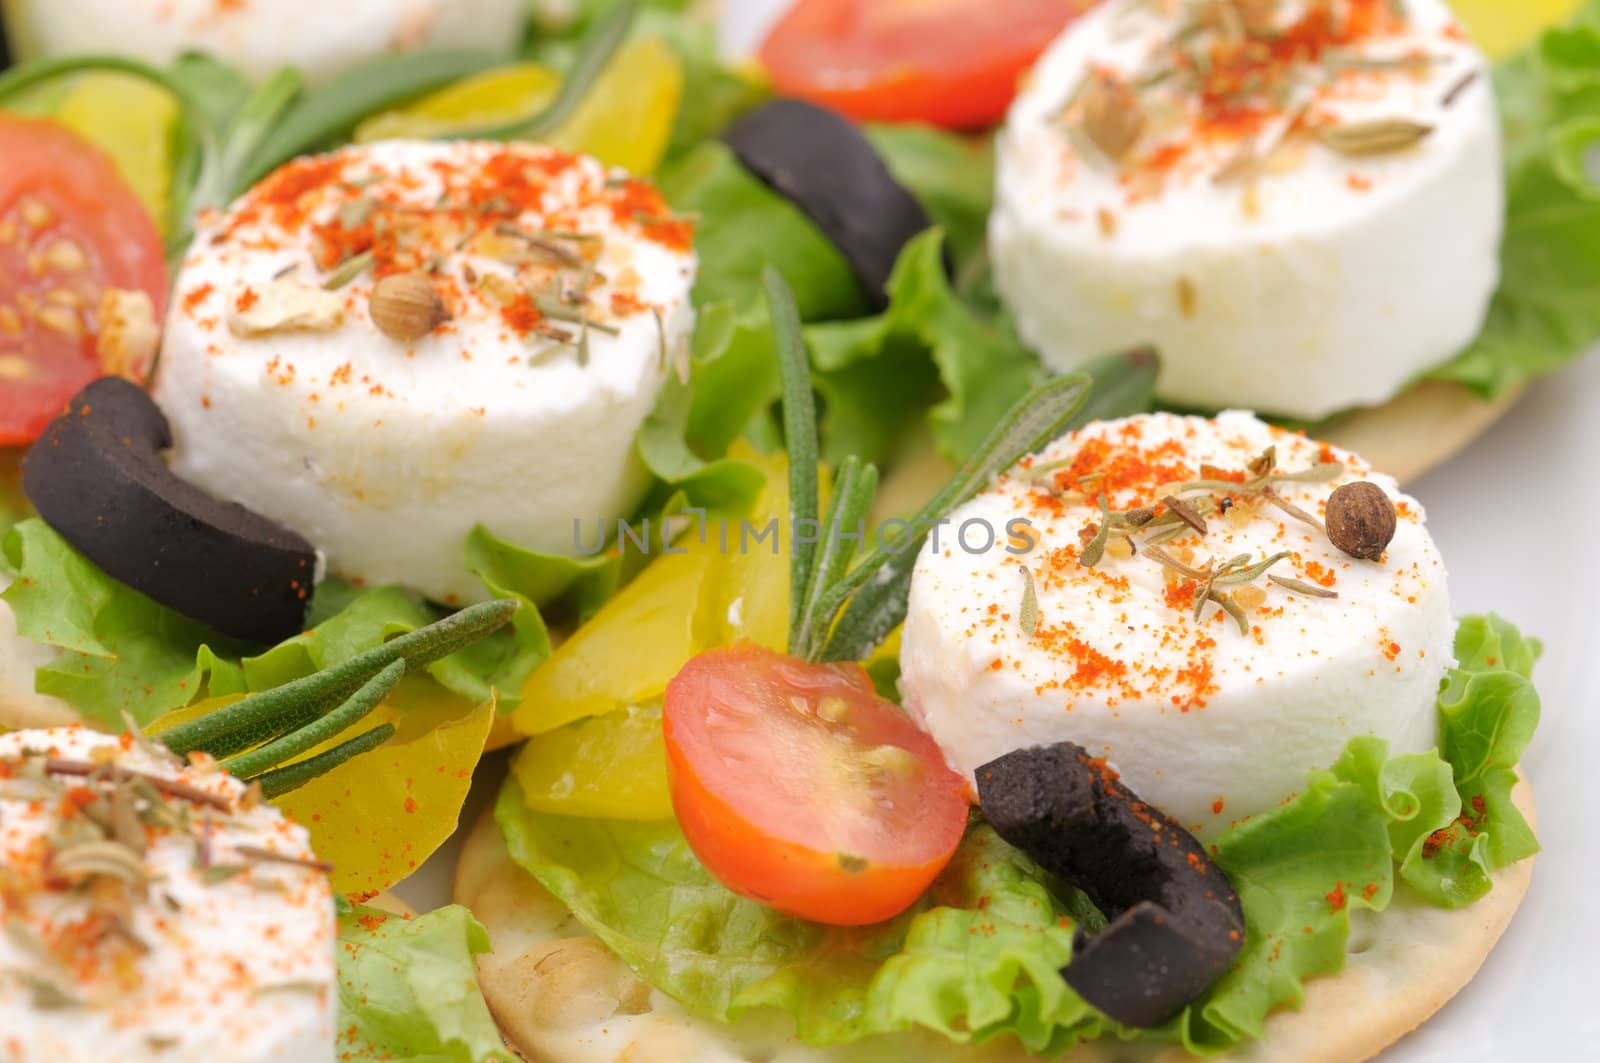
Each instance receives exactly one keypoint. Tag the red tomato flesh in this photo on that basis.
(954, 63)
(799, 787)
(70, 228)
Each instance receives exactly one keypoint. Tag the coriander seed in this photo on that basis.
(406, 307)
(1361, 520)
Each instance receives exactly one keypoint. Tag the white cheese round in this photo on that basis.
(1272, 271)
(287, 397)
(259, 36)
(234, 963)
(1209, 724)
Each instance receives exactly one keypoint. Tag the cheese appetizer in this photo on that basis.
(542, 404)
(259, 36)
(388, 346)
(157, 908)
(154, 910)
(1186, 778)
(1300, 205)
(1217, 657)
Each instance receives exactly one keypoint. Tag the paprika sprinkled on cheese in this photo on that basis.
(402, 328)
(1203, 624)
(1171, 165)
(147, 903)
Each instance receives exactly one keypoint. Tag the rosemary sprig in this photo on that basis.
(800, 435)
(276, 712)
(283, 780)
(841, 613)
(594, 55)
(1310, 590)
(855, 486)
(1096, 547)
(352, 712)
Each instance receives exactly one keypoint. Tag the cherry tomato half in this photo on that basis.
(953, 63)
(799, 787)
(70, 229)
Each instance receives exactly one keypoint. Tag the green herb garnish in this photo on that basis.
(871, 596)
(274, 713)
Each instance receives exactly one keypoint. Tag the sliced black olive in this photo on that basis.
(822, 164)
(96, 477)
(1176, 924)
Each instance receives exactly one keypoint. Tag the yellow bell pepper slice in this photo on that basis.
(495, 96)
(630, 649)
(1502, 28)
(626, 119)
(379, 816)
(132, 121)
(609, 767)
(753, 585)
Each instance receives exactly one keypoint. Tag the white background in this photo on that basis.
(1517, 517)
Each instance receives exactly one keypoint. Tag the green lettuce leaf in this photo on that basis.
(927, 344)
(123, 652)
(408, 989)
(952, 176)
(1488, 712)
(1543, 314)
(979, 956)
(744, 226)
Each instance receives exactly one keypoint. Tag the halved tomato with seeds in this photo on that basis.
(954, 63)
(71, 231)
(799, 787)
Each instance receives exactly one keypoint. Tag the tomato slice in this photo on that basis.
(70, 230)
(799, 787)
(953, 63)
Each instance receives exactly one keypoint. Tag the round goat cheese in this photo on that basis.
(259, 36)
(562, 308)
(1298, 204)
(143, 924)
(1205, 721)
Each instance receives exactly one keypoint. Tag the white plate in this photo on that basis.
(1517, 517)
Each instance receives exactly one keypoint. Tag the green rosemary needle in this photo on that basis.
(352, 712)
(283, 780)
(273, 713)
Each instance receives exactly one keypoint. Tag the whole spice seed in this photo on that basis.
(406, 307)
(1380, 136)
(1361, 520)
(1113, 117)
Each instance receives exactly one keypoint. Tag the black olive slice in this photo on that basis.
(1176, 924)
(96, 477)
(822, 164)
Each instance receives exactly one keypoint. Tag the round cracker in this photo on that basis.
(1406, 437)
(1418, 430)
(561, 996)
